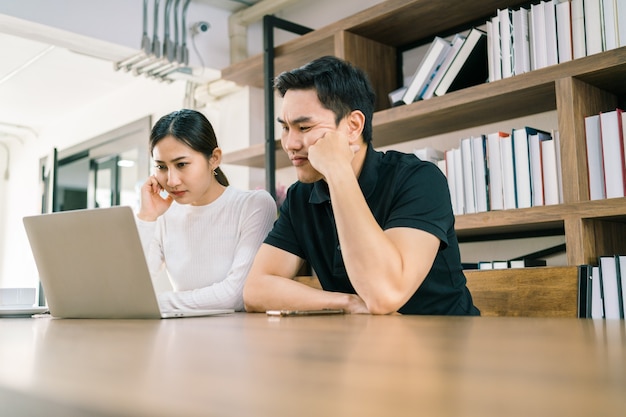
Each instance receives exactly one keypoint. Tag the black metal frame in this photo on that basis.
(270, 23)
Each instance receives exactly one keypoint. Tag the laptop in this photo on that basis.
(91, 265)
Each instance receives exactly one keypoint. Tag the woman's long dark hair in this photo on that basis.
(191, 128)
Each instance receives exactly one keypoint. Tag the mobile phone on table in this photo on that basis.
(322, 312)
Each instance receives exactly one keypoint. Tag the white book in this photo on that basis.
(458, 181)
(595, 165)
(538, 24)
(426, 69)
(552, 53)
(508, 172)
(490, 56)
(579, 48)
(609, 24)
(494, 164)
(608, 283)
(536, 172)
(451, 176)
(521, 42)
(597, 310)
(521, 159)
(593, 26)
(495, 45)
(612, 153)
(479, 163)
(455, 45)
(429, 154)
(622, 281)
(559, 169)
(506, 41)
(549, 172)
(621, 23)
(468, 175)
(564, 30)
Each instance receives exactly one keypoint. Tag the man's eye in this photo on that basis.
(304, 128)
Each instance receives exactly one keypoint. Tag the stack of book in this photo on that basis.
(501, 171)
(447, 66)
(516, 41)
(605, 137)
(602, 288)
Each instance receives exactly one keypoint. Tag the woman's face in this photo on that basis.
(184, 173)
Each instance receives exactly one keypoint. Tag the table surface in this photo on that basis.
(354, 365)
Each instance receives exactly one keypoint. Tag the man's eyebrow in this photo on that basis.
(301, 119)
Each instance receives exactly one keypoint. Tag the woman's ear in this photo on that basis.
(356, 123)
(216, 158)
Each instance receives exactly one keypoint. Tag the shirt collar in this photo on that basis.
(367, 178)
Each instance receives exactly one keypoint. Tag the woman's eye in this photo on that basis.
(159, 167)
(181, 164)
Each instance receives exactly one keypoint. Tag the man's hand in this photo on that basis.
(152, 204)
(331, 151)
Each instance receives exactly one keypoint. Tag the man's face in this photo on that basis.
(304, 121)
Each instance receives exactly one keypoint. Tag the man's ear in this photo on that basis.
(355, 123)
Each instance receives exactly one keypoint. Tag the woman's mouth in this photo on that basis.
(177, 193)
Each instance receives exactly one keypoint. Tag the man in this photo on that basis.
(377, 228)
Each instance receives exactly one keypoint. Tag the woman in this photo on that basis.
(204, 232)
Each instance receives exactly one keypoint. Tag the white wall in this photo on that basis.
(238, 118)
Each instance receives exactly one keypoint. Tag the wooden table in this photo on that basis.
(254, 365)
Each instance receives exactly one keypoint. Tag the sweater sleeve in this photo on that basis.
(151, 246)
(256, 219)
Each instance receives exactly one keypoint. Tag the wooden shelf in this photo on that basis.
(575, 89)
(518, 96)
(392, 22)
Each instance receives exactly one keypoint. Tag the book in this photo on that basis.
(508, 172)
(609, 24)
(521, 42)
(621, 23)
(426, 69)
(564, 33)
(593, 26)
(493, 32)
(609, 287)
(584, 286)
(621, 270)
(429, 154)
(458, 181)
(506, 41)
(536, 171)
(494, 170)
(480, 171)
(535, 141)
(455, 45)
(550, 173)
(613, 153)
(521, 163)
(595, 167)
(579, 45)
(468, 175)
(395, 97)
(539, 59)
(526, 263)
(559, 169)
(469, 66)
(597, 310)
(552, 54)
(451, 176)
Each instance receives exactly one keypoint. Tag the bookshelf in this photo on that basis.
(574, 89)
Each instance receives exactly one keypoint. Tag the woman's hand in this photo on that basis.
(152, 204)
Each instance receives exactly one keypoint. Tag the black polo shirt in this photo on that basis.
(401, 191)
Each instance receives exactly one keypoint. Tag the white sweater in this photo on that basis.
(208, 250)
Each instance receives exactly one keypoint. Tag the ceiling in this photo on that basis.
(40, 82)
